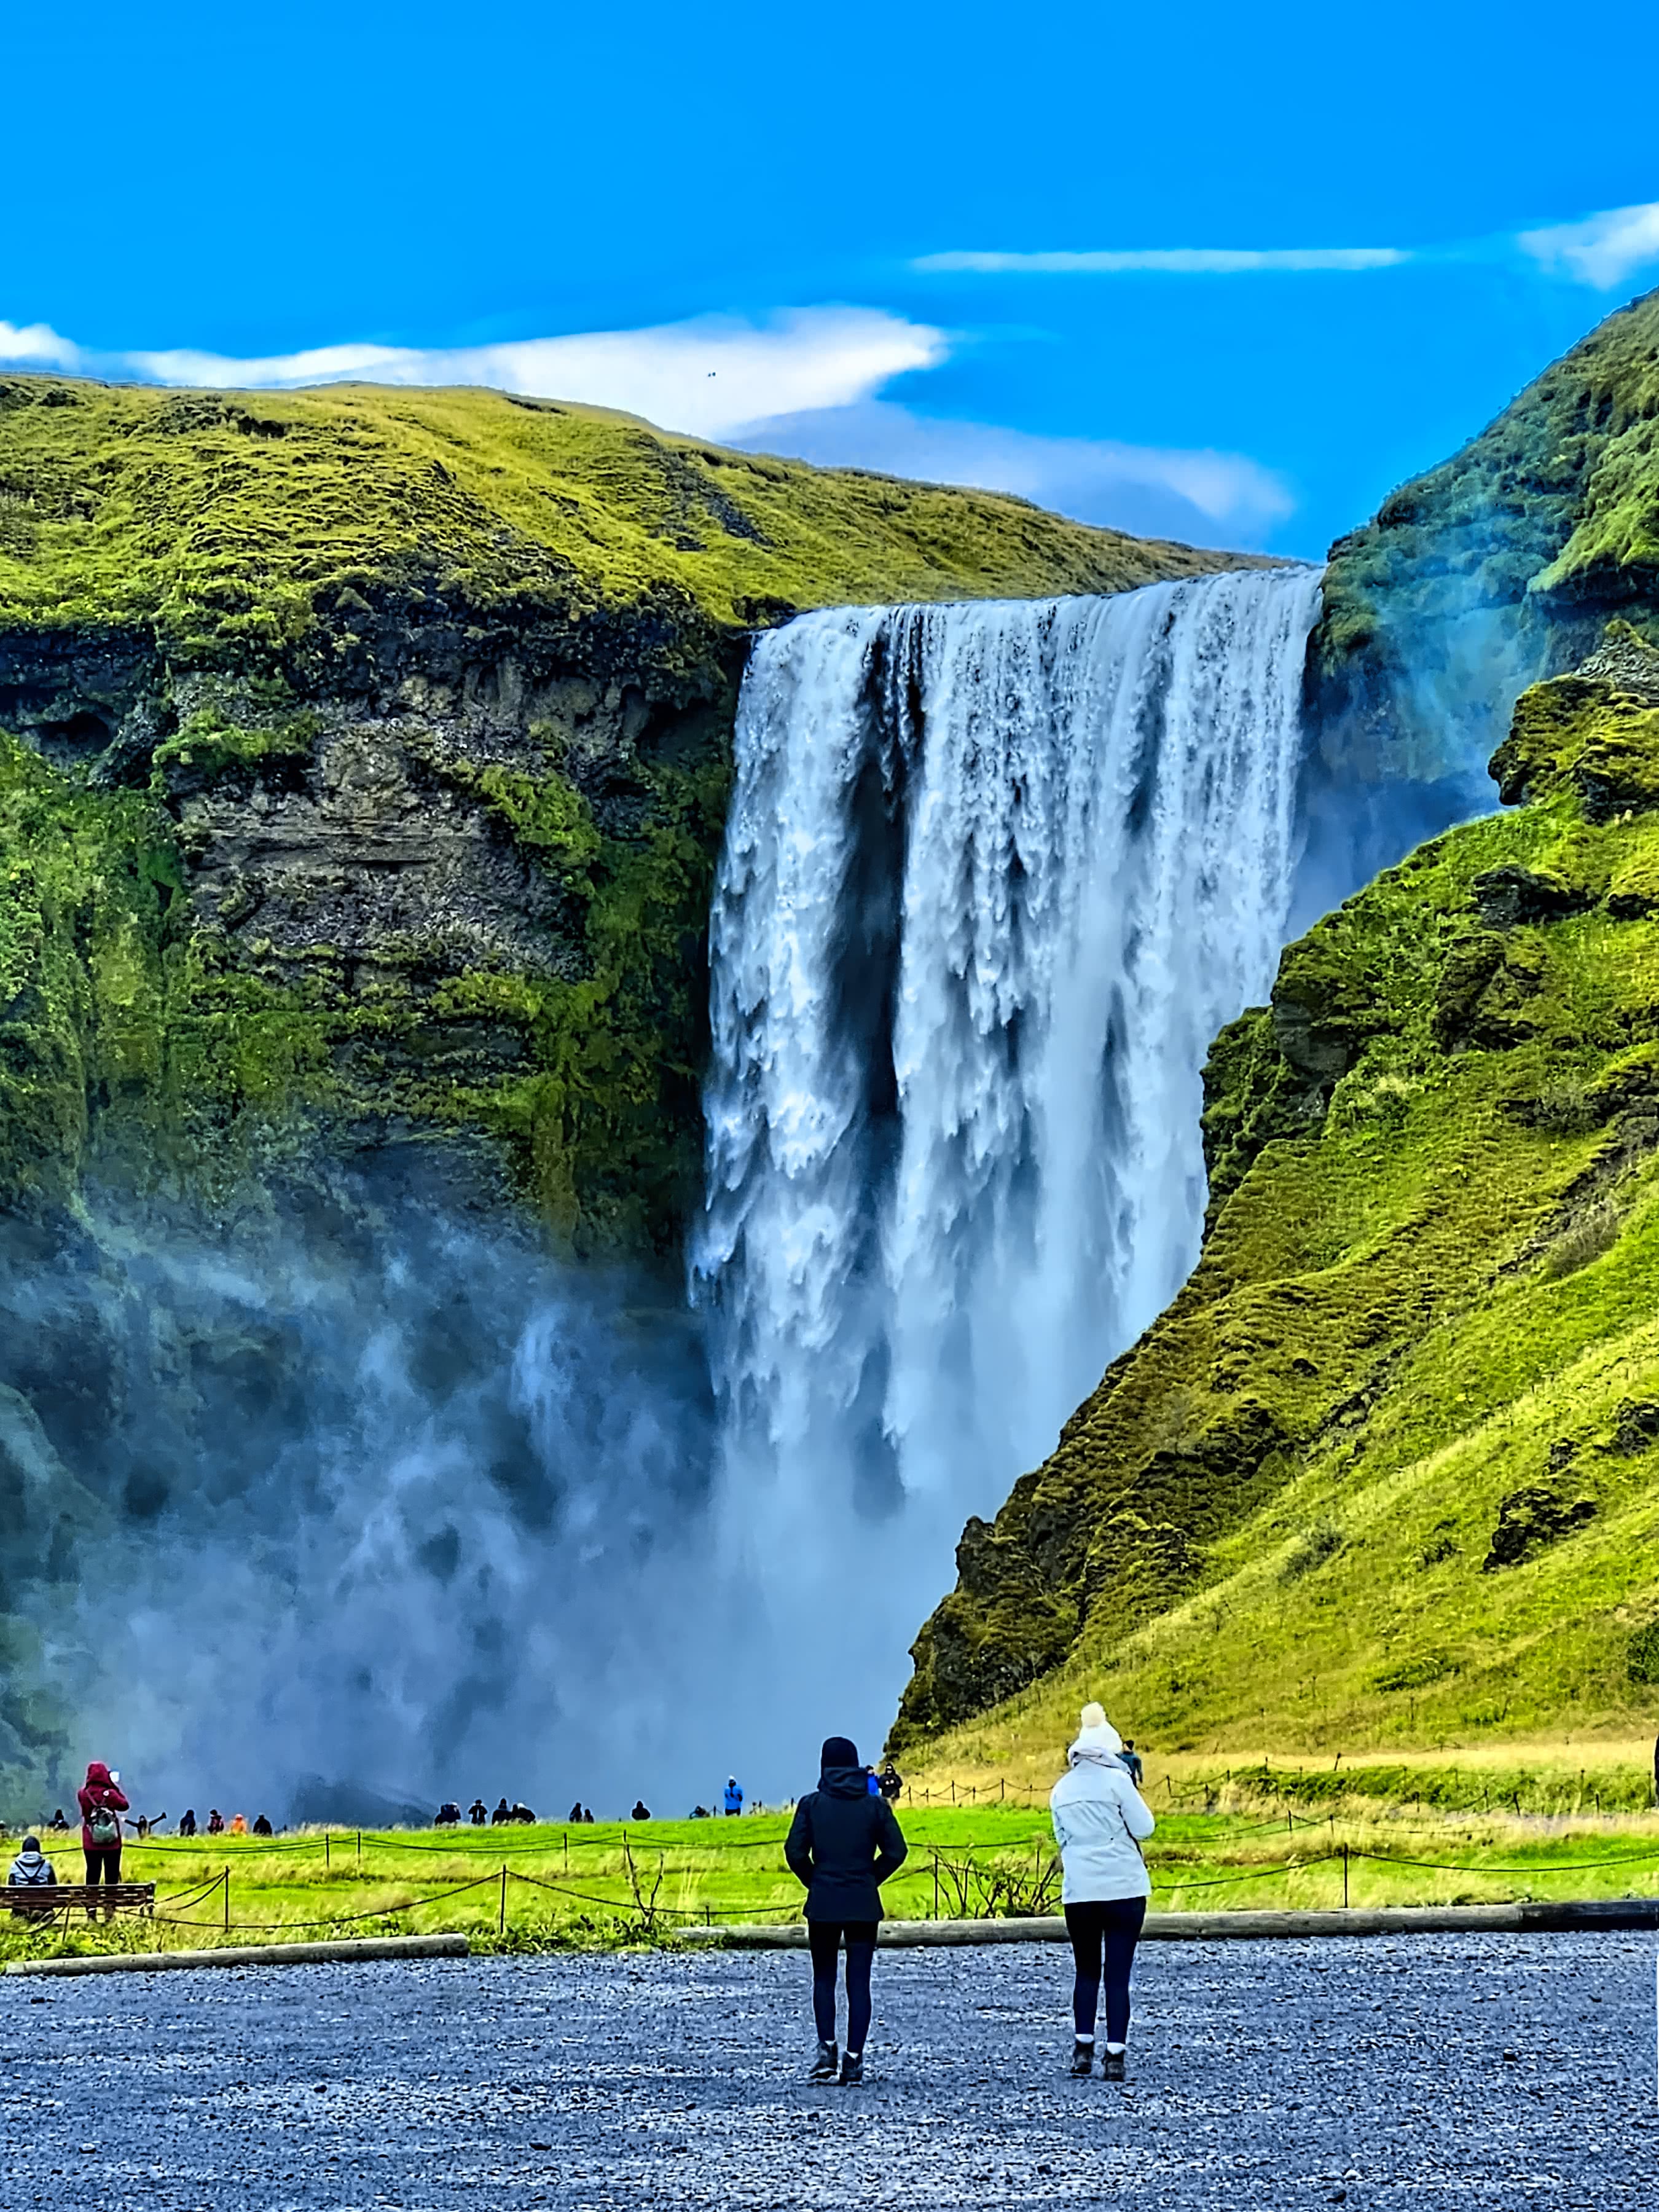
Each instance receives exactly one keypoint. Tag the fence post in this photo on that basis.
(325, 1858)
(953, 1791)
(360, 1846)
(501, 1923)
(567, 1850)
(1344, 1877)
(936, 1884)
(1002, 1788)
(227, 1901)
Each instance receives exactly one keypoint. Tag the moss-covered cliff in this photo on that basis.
(1497, 568)
(1389, 1466)
(367, 761)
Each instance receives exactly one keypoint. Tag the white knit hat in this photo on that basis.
(1094, 1732)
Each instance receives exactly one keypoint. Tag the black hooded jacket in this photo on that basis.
(843, 1843)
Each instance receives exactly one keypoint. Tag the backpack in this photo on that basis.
(104, 1827)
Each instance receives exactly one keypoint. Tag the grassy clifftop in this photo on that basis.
(1387, 1469)
(234, 522)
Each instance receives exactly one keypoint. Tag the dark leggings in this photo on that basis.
(824, 1936)
(1104, 1935)
(105, 1861)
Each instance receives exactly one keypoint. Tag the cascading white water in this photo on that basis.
(994, 876)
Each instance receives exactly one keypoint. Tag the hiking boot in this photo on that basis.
(1111, 2067)
(1083, 2057)
(851, 2070)
(823, 2067)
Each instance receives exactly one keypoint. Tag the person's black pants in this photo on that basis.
(1104, 1938)
(824, 1937)
(105, 1861)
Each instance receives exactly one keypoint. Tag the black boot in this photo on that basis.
(823, 2067)
(1111, 2066)
(851, 2070)
(1083, 2056)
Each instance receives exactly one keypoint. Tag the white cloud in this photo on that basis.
(1214, 498)
(1176, 261)
(1602, 250)
(36, 346)
(705, 378)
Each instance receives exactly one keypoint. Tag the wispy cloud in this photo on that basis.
(1212, 497)
(704, 377)
(1174, 261)
(1603, 250)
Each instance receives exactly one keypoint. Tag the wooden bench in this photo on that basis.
(43, 1898)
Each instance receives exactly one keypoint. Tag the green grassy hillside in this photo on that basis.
(233, 524)
(1387, 1472)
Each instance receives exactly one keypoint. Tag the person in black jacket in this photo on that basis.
(842, 1844)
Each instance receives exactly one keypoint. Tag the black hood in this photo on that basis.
(844, 1782)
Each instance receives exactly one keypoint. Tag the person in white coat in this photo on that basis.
(1100, 1821)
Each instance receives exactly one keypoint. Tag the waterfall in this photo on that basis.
(994, 876)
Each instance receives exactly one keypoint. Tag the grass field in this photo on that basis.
(1226, 1839)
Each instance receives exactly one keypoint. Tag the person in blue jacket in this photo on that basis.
(842, 1846)
(733, 1796)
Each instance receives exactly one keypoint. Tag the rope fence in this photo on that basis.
(1027, 1888)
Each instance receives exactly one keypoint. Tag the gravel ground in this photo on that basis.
(1482, 2070)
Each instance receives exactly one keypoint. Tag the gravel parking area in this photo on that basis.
(1489, 2071)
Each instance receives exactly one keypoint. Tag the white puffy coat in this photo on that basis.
(1100, 1821)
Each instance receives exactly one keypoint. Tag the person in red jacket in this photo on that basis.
(101, 1807)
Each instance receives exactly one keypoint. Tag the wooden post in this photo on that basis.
(325, 1856)
(567, 1850)
(227, 1901)
(501, 1923)
(936, 1884)
(1344, 1877)
(360, 1846)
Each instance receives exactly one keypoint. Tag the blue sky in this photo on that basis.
(1230, 273)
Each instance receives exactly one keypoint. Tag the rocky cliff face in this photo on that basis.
(1385, 1468)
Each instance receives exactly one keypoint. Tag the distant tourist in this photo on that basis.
(33, 1869)
(872, 1782)
(101, 1807)
(587, 1814)
(215, 1822)
(893, 1783)
(262, 1827)
(238, 1825)
(701, 1813)
(575, 1812)
(57, 1825)
(145, 1825)
(733, 1798)
(641, 1810)
(842, 1844)
(187, 1825)
(1100, 1822)
(502, 1813)
(478, 1812)
(522, 1814)
(1131, 1759)
(448, 1815)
